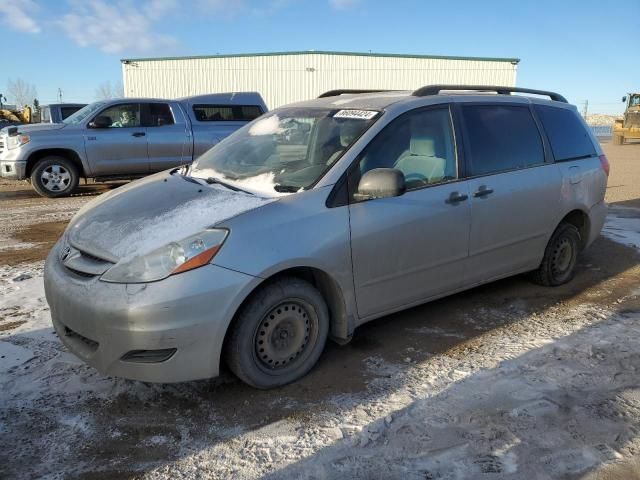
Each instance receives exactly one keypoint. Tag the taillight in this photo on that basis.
(605, 164)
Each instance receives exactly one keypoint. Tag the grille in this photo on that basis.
(80, 274)
(1, 146)
(82, 263)
(75, 336)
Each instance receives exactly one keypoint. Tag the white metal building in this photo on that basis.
(286, 77)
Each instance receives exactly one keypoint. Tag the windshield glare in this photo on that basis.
(83, 113)
(285, 151)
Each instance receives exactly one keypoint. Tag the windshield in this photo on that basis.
(285, 151)
(635, 101)
(83, 113)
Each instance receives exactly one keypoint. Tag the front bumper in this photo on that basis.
(103, 322)
(13, 170)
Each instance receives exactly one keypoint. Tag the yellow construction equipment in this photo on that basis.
(15, 116)
(629, 126)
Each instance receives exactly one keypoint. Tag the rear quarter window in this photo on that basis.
(567, 135)
(226, 113)
(45, 115)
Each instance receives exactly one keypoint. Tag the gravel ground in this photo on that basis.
(508, 380)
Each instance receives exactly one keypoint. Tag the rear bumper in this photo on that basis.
(597, 217)
(179, 323)
(13, 170)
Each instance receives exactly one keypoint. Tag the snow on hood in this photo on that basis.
(262, 184)
(147, 214)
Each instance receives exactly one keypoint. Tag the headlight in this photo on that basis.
(16, 141)
(176, 257)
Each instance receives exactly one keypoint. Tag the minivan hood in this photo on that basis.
(149, 213)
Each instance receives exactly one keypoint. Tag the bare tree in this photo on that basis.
(107, 91)
(21, 92)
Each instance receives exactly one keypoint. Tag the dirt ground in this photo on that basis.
(508, 380)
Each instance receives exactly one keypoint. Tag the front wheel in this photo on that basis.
(54, 177)
(560, 257)
(279, 334)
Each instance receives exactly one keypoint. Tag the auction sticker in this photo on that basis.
(360, 114)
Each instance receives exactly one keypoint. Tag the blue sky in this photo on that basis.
(574, 47)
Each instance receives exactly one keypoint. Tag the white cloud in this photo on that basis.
(343, 4)
(16, 14)
(116, 27)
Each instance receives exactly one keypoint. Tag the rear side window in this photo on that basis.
(226, 113)
(568, 137)
(501, 138)
(68, 111)
(157, 115)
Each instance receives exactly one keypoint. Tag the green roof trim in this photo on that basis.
(324, 52)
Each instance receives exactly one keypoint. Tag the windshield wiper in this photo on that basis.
(213, 180)
(286, 188)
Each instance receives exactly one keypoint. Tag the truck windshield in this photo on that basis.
(83, 113)
(284, 151)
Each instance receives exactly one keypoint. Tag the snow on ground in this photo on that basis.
(623, 226)
(548, 393)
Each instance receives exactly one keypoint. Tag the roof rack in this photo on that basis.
(335, 93)
(436, 89)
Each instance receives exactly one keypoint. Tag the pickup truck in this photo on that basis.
(122, 139)
(57, 112)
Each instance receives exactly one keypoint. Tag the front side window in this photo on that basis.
(157, 115)
(420, 144)
(501, 138)
(126, 115)
(567, 135)
(284, 151)
(226, 113)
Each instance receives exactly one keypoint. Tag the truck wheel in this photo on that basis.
(54, 177)
(279, 334)
(559, 261)
(618, 139)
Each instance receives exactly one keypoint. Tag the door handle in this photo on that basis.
(138, 134)
(456, 197)
(483, 191)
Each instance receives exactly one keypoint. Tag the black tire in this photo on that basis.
(279, 334)
(560, 256)
(54, 177)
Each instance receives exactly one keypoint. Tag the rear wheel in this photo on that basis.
(279, 334)
(54, 177)
(560, 256)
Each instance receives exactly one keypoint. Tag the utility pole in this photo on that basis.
(586, 108)
(59, 95)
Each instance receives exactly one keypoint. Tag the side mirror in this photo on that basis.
(624, 99)
(101, 121)
(381, 183)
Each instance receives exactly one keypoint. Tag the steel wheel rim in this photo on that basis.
(562, 257)
(285, 335)
(55, 178)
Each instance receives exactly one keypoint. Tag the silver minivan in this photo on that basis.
(318, 217)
